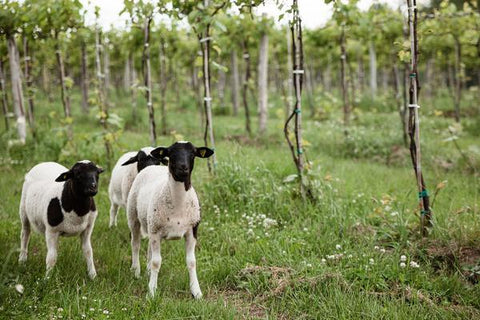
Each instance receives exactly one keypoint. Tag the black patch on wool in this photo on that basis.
(72, 200)
(54, 213)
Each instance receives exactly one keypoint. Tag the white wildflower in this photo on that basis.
(267, 223)
(413, 264)
(305, 229)
(350, 256)
(402, 265)
(388, 208)
(382, 250)
(394, 213)
(376, 247)
(309, 265)
(250, 232)
(324, 260)
(106, 311)
(60, 309)
(84, 298)
(403, 258)
(371, 261)
(19, 288)
(338, 247)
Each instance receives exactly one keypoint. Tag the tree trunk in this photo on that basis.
(148, 81)
(398, 99)
(61, 70)
(29, 83)
(414, 121)
(126, 75)
(235, 83)
(133, 86)
(222, 78)
(298, 72)
(198, 94)
(17, 91)
(106, 70)
(429, 78)
(343, 61)
(163, 87)
(263, 84)
(361, 73)
(373, 68)
(309, 90)
(458, 78)
(4, 95)
(290, 75)
(246, 58)
(207, 100)
(84, 79)
(102, 105)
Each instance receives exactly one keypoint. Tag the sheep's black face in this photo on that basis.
(84, 178)
(181, 158)
(181, 161)
(145, 160)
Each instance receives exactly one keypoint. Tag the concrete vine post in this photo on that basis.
(100, 88)
(4, 96)
(414, 122)
(17, 89)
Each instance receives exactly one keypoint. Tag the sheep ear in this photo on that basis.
(130, 161)
(160, 152)
(64, 176)
(203, 152)
(100, 169)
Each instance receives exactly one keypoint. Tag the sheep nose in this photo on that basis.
(183, 167)
(94, 185)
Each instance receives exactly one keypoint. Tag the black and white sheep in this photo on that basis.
(162, 204)
(122, 178)
(57, 202)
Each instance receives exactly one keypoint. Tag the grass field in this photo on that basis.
(263, 253)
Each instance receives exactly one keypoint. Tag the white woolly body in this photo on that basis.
(161, 204)
(122, 178)
(38, 190)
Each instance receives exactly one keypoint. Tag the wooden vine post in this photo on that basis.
(204, 39)
(148, 79)
(414, 122)
(296, 147)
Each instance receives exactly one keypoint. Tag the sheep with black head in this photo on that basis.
(123, 174)
(58, 202)
(162, 204)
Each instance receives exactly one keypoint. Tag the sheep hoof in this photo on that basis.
(136, 272)
(22, 258)
(92, 274)
(151, 292)
(197, 295)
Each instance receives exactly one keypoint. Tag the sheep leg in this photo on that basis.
(24, 238)
(149, 257)
(155, 261)
(190, 243)
(52, 245)
(136, 238)
(113, 215)
(87, 250)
